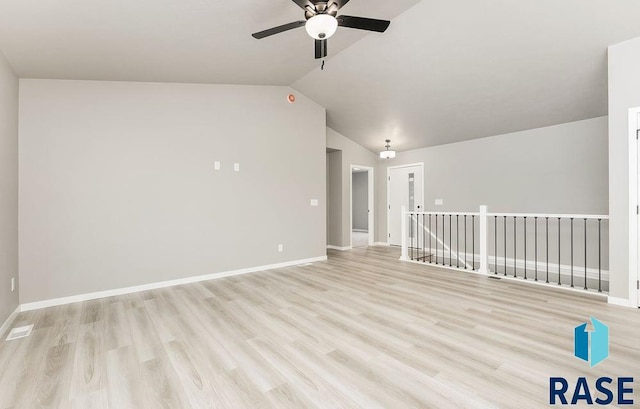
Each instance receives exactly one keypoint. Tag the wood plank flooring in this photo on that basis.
(361, 330)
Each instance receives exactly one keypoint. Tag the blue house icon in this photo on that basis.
(598, 351)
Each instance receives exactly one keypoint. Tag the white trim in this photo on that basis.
(565, 269)
(518, 280)
(421, 164)
(162, 284)
(381, 243)
(551, 215)
(332, 247)
(9, 321)
(634, 200)
(360, 230)
(370, 203)
(622, 302)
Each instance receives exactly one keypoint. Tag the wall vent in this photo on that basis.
(20, 332)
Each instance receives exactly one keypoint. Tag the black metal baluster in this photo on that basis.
(495, 245)
(535, 248)
(457, 240)
(599, 255)
(430, 248)
(436, 238)
(547, 243)
(525, 247)
(585, 254)
(572, 252)
(473, 241)
(559, 227)
(443, 238)
(465, 241)
(424, 238)
(504, 225)
(515, 268)
(450, 241)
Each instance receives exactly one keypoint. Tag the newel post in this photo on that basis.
(484, 239)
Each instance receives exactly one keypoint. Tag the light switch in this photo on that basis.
(438, 202)
(314, 202)
(236, 167)
(216, 165)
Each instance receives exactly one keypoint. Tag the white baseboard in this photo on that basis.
(360, 230)
(9, 321)
(623, 302)
(381, 243)
(332, 247)
(162, 284)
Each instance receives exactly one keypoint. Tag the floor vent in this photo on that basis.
(495, 278)
(20, 332)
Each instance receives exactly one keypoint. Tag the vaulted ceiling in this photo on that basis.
(445, 71)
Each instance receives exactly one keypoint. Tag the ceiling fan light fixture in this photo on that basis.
(387, 154)
(321, 26)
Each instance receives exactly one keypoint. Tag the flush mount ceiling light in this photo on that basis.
(387, 154)
(321, 26)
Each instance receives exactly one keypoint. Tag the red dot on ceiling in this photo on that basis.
(291, 98)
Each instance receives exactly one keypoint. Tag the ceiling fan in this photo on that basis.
(321, 22)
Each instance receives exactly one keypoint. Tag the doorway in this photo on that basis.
(361, 209)
(405, 187)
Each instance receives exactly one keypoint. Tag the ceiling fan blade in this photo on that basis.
(362, 23)
(321, 48)
(279, 29)
(303, 4)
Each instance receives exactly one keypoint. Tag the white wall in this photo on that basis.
(8, 188)
(118, 188)
(352, 154)
(624, 93)
(556, 169)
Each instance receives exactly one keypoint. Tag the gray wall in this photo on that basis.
(557, 169)
(352, 154)
(334, 198)
(360, 200)
(624, 93)
(118, 186)
(8, 188)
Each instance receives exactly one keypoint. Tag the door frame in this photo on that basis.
(634, 200)
(421, 164)
(370, 203)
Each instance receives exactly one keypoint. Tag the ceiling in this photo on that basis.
(202, 41)
(454, 70)
(445, 71)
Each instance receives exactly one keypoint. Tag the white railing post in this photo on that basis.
(484, 256)
(404, 254)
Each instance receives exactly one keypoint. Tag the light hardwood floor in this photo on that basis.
(361, 330)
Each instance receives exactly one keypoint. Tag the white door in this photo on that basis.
(404, 188)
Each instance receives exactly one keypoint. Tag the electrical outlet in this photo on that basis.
(438, 202)
(314, 202)
(216, 165)
(236, 167)
(280, 248)
(13, 284)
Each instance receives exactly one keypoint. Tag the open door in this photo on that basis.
(405, 187)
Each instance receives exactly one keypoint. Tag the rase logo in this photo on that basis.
(592, 347)
(596, 351)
